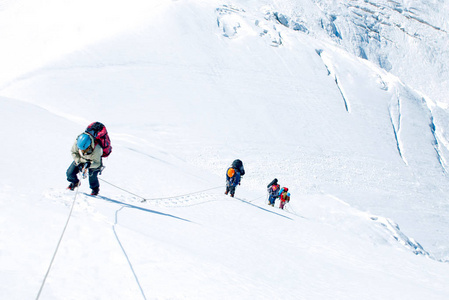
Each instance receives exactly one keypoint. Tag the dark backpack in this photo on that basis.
(237, 164)
(274, 181)
(100, 134)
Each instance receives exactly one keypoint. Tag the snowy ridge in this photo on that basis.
(331, 72)
(383, 229)
(396, 233)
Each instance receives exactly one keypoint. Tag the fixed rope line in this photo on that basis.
(290, 209)
(57, 247)
(126, 255)
(256, 199)
(117, 187)
(164, 198)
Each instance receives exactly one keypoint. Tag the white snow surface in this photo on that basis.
(345, 102)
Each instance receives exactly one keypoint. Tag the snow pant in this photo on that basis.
(230, 188)
(271, 199)
(282, 204)
(72, 175)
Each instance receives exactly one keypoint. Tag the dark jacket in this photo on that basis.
(273, 190)
(234, 180)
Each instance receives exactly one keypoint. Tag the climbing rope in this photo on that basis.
(163, 198)
(250, 201)
(124, 252)
(57, 247)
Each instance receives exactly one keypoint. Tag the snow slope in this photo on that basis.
(185, 87)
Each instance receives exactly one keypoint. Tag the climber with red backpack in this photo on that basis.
(284, 197)
(87, 152)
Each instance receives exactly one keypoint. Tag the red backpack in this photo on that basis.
(100, 134)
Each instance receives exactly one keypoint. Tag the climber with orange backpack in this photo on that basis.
(233, 176)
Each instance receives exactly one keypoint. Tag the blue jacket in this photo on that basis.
(234, 180)
(274, 190)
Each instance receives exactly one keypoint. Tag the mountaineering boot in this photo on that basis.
(72, 185)
(232, 195)
(95, 191)
(226, 192)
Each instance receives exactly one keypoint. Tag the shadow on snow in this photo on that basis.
(264, 209)
(127, 205)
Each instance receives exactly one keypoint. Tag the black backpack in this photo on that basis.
(274, 181)
(237, 164)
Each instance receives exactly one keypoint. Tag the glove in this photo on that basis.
(84, 169)
(84, 172)
(82, 166)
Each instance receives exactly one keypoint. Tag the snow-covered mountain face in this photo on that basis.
(407, 38)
